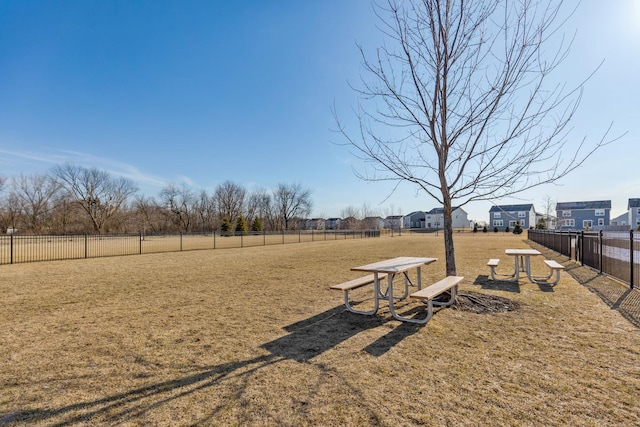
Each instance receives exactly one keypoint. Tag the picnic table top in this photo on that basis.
(395, 265)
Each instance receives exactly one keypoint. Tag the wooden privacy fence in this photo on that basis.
(615, 253)
(32, 248)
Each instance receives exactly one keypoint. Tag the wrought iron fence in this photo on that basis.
(615, 253)
(32, 248)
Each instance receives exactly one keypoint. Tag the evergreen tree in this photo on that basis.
(241, 226)
(256, 225)
(225, 228)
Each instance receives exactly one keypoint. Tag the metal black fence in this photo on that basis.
(32, 248)
(616, 253)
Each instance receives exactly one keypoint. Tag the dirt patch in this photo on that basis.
(480, 303)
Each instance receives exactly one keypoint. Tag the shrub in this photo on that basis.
(517, 229)
(495, 229)
(484, 229)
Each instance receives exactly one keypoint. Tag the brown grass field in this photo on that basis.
(254, 336)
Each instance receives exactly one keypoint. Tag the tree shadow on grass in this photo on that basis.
(497, 285)
(305, 340)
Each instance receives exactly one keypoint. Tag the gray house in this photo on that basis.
(634, 213)
(508, 215)
(592, 215)
(414, 220)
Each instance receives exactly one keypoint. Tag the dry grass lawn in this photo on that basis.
(254, 337)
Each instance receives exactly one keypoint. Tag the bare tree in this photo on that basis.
(100, 195)
(350, 212)
(33, 196)
(461, 103)
(229, 200)
(549, 206)
(206, 211)
(262, 203)
(290, 201)
(179, 202)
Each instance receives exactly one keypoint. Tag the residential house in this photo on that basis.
(435, 218)
(586, 215)
(373, 223)
(508, 215)
(393, 222)
(549, 220)
(315, 224)
(634, 213)
(350, 223)
(414, 220)
(332, 224)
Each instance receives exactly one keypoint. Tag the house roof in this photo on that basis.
(634, 203)
(440, 211)
(511, 208)
(598, 204)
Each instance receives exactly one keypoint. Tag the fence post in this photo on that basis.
(631, 259)
(11, 250)
(141, 243)
(600, 234)
(264, 237)
(582, 248)
(86, 249)
(181, 241)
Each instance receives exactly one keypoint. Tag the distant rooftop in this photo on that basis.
(511, 208)
(598, 204)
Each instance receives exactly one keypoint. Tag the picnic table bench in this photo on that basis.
(355, 284)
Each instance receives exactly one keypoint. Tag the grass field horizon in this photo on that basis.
(254, 336)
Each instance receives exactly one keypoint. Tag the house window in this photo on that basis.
(512, 223)
(600, 221)
(497, 223)
(587, 223)
(599, 212)
(522, 214)
(496, 214)
(566, 213)
(569, 222)
(638, 212)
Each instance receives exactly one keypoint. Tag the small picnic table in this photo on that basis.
(391, 267)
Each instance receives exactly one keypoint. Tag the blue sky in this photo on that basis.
(200, 92)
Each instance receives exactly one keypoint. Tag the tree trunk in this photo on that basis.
(448, 239)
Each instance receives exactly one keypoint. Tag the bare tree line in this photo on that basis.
(75, 199)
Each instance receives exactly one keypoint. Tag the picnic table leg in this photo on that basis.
(516, 275)
(376, 299)
(407, 319)
(544, 280)
(539, 280)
